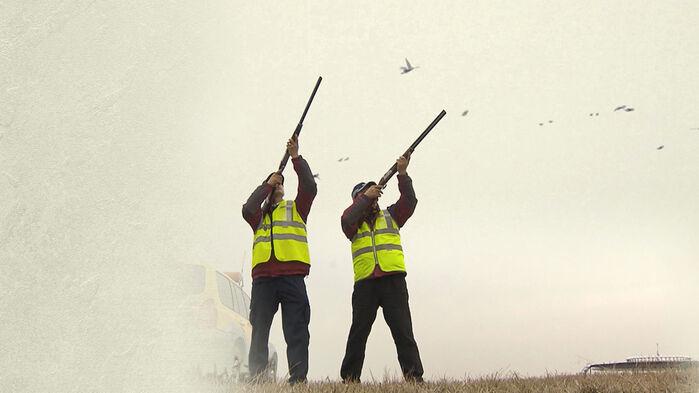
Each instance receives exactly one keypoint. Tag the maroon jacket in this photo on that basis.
(252, 212)
(360, 210)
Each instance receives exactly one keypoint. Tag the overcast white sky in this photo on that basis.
(131, 134)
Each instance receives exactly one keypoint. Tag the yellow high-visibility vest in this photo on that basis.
(285, 232)
(379, 246)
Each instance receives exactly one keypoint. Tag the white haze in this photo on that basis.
(131, 134)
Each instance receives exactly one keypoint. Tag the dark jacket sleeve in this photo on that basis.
(252, 209)
(353, 215)
(405, 206)
(307, 187)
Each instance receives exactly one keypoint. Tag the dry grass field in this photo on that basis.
(653, 382)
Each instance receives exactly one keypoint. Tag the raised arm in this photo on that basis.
(308, 188)
(352, 216)
(405, 206)
(252, 209)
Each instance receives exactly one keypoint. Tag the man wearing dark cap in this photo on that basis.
(379, 274)
(280, 261)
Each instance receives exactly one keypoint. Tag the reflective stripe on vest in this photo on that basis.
(380, 246)
(285, 232)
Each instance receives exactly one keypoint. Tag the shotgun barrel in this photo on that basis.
(297, 131)
(392, 171)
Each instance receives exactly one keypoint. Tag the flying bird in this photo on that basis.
(618, 108)
(541, 124)
(465, 113)
(343, 159)
(629, 109)
(405, 70)
(550, 121)
(660, 147)
(316, 176)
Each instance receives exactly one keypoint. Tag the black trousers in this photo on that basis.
(267, 294)
(391, 293)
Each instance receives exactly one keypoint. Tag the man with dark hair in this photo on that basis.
(379, 274)
(280, 261)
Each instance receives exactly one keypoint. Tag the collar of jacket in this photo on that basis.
(370, 217)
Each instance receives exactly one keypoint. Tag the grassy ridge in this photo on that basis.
(669, 381)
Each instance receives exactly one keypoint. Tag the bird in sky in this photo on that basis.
(465, 113)
(316, 176)
(343, 159)
(618, 108)
(660, 147)
(629, 109)
(408, 68)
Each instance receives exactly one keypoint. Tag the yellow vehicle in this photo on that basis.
(221, 326)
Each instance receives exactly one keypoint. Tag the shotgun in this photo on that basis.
(295, 136)
(297, 131)
(388, 175)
